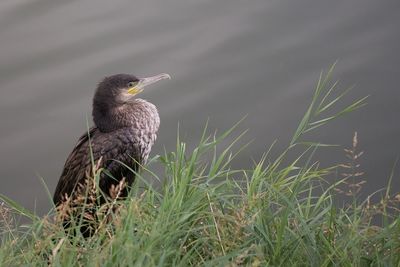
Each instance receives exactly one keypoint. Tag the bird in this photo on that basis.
(125, 128)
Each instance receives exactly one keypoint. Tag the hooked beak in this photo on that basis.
(143, 82)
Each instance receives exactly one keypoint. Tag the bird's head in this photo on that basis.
(121, 88)
(113, 93)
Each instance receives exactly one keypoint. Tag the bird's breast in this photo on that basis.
(145, 117)
(142, 131)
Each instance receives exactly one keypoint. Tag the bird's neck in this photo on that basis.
(138, 114)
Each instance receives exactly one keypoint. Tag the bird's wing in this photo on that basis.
(75, 166)
(113, 148)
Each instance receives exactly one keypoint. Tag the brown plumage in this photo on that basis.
(124, 132)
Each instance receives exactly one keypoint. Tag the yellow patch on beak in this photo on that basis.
(134, 90)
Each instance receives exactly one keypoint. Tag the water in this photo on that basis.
(227, 58)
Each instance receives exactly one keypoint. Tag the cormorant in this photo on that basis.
(124, 132)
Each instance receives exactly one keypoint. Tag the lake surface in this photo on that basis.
(228, 59)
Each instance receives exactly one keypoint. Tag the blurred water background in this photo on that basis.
(228, 59)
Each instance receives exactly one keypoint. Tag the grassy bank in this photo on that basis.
(279, 212)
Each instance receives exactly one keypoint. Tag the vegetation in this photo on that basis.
(280, 212)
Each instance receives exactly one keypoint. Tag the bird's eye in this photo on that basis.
(132, 84)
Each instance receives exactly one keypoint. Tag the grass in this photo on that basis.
(280, 212)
